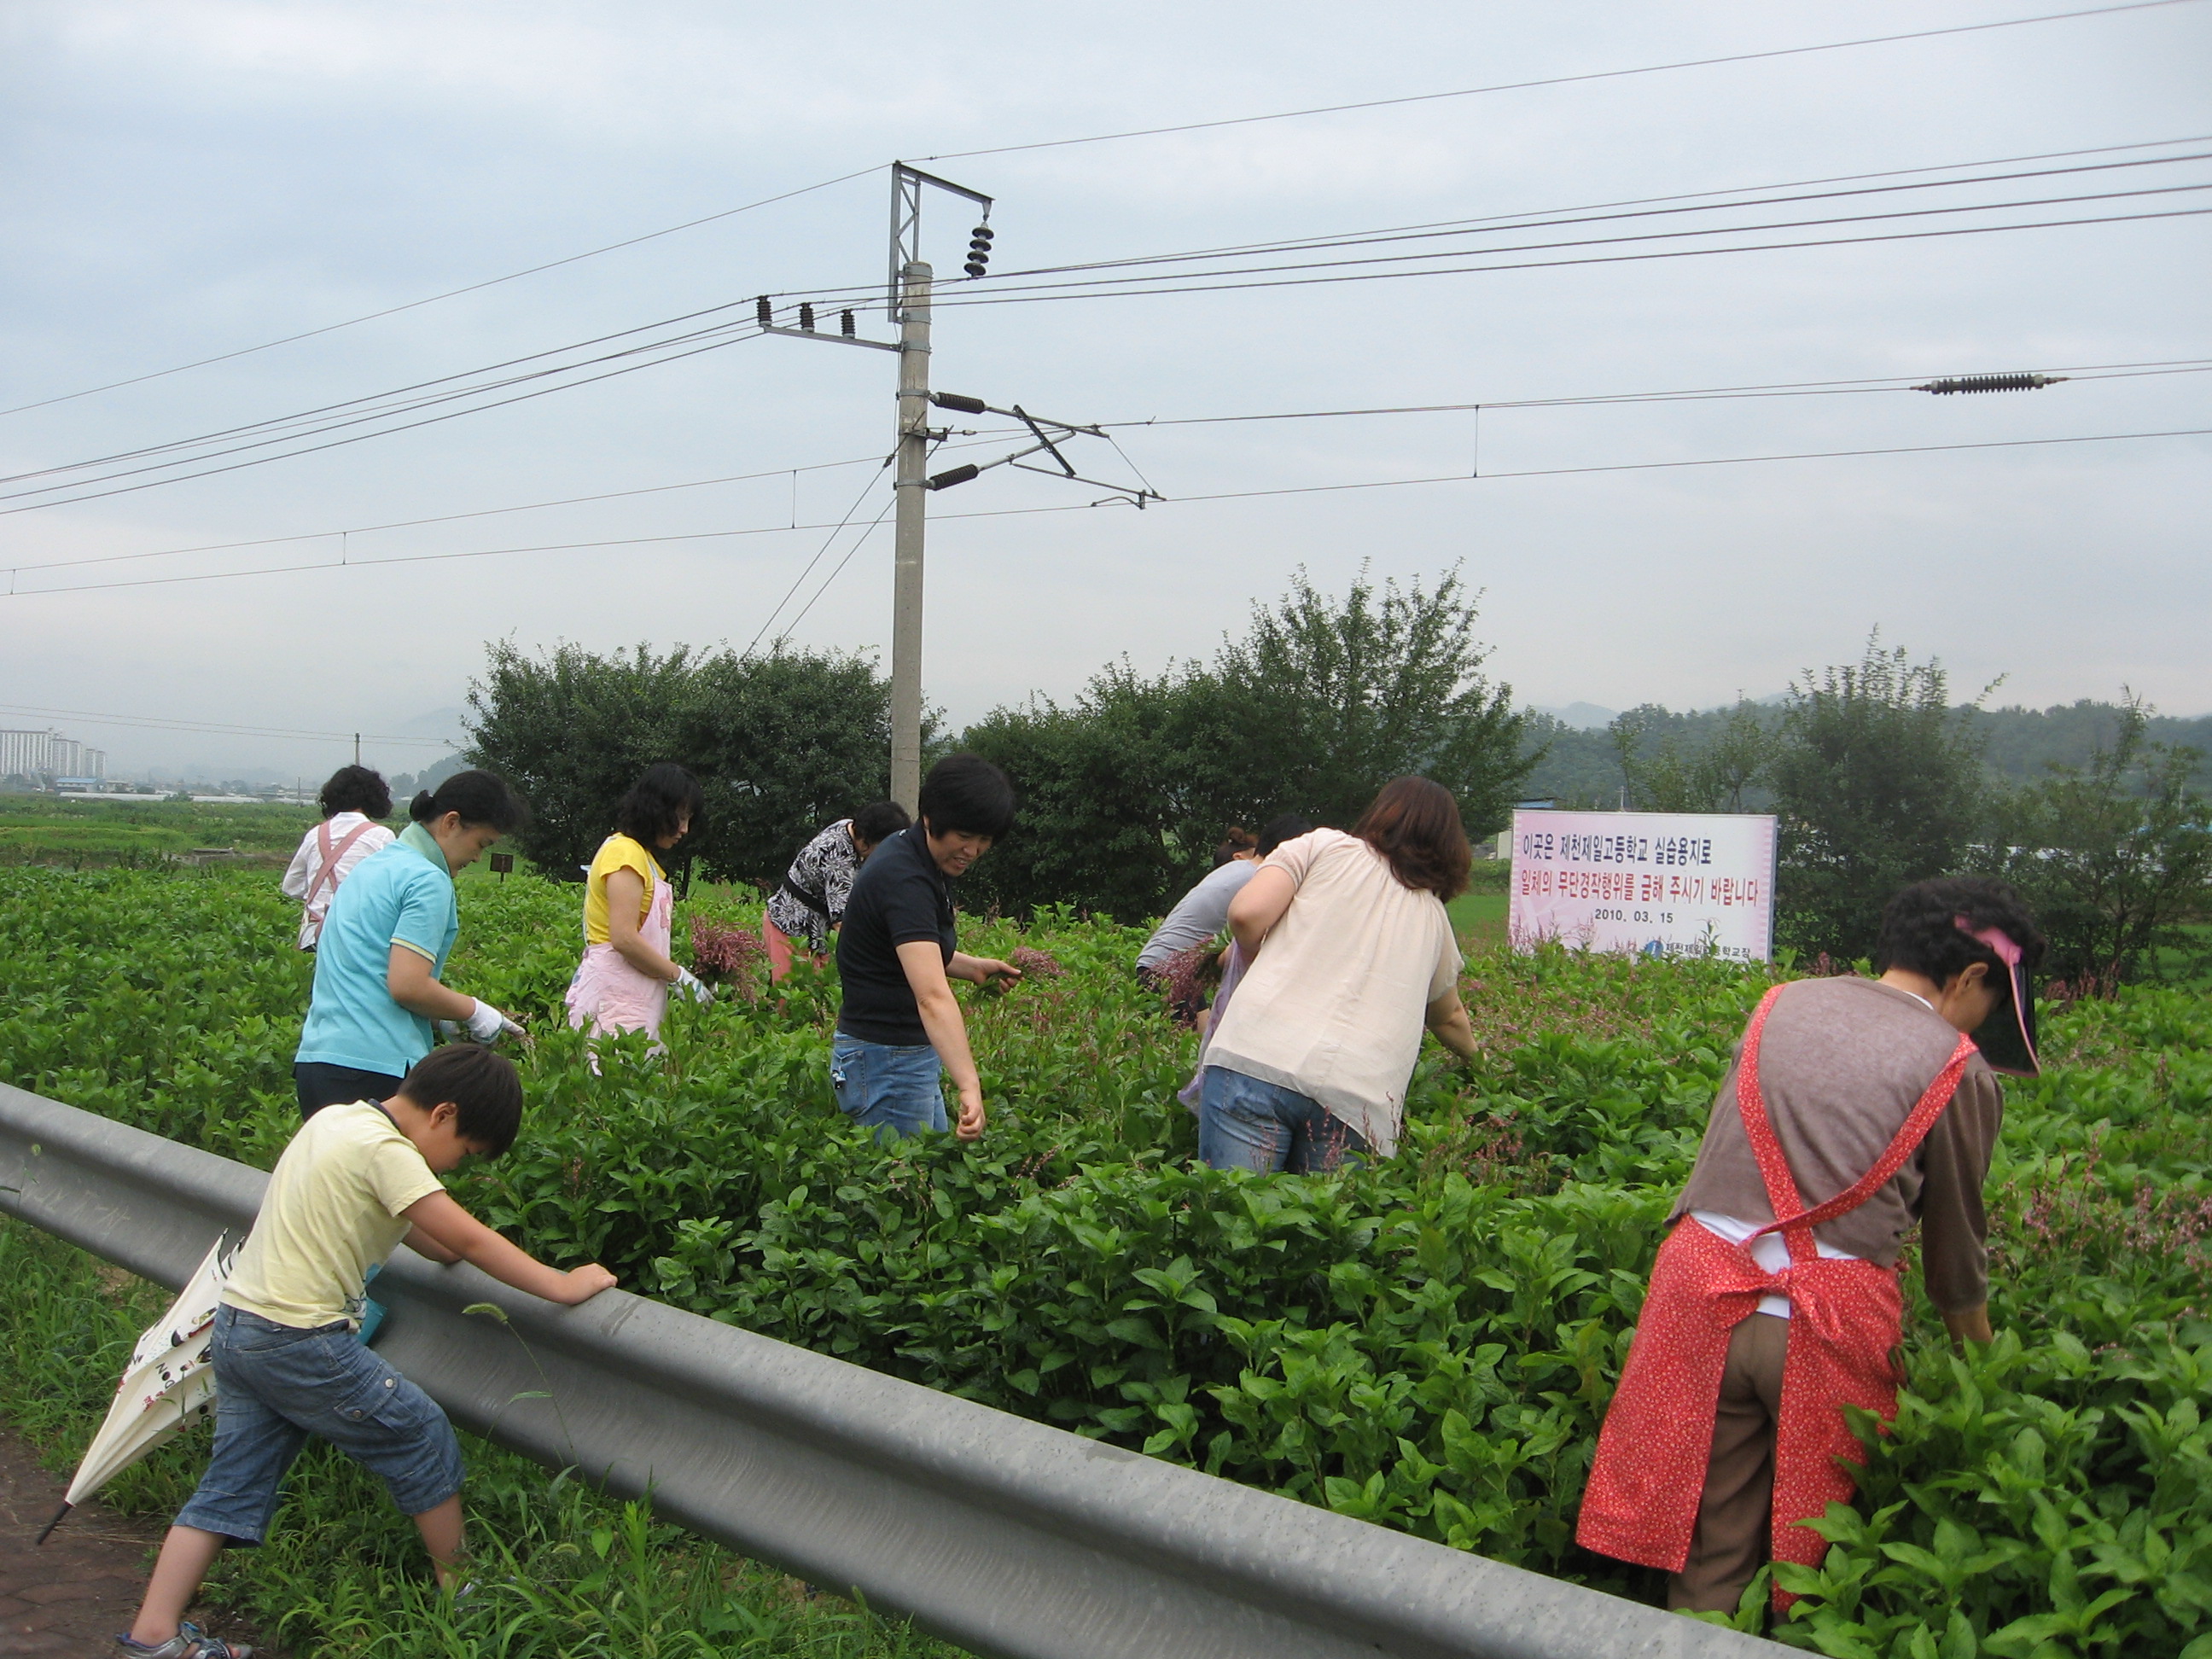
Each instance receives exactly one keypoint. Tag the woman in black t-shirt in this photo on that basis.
(900, 1024)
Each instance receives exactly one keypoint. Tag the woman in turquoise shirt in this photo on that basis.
(384, 947)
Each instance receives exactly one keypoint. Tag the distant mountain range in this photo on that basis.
(1581, 716)
(1596, 717)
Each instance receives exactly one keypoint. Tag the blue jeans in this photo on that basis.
(893, 1090)
(1244, 1123)
(274, 1386)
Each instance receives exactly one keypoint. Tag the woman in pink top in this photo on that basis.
(1351, 956)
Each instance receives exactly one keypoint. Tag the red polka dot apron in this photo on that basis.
(1847, 1320)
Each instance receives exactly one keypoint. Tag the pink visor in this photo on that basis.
(2006, 1037)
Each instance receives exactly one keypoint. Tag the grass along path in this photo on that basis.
(567, 1574)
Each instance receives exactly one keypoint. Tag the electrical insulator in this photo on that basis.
(958, 475)
(1991, 383)
(765, 312)
(806, 318)
(845, 324)
(954, 400)
(979, 251)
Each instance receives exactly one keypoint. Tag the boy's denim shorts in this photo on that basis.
(276, 1385)
(893, 1090)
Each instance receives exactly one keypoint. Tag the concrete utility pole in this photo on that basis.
(912, 485)
(906, 299)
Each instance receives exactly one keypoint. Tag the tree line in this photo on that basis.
(1877, 778)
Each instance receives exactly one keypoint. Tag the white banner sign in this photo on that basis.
(1664, 884)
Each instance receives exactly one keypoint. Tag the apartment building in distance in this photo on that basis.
(49, 758)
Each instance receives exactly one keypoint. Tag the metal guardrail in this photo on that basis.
(1014, 1540)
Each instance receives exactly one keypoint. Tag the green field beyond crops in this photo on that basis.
(1428, 1344)
(42, 828)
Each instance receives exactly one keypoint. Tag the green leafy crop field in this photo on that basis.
(1428, 1344)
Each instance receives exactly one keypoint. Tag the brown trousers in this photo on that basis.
(1731, 1542)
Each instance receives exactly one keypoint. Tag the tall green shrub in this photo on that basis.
(1879, 783)
(2116, 855)
(783, 744)
(1318, 704)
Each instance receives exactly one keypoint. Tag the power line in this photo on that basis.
(453, 293)
(339, 443)
(1201, 283)
(1554, 264)
(157, 723)
(1870, 386)
(401, 399)
(1554, 80)
(827, 544)
(398, 396)
(347, 563)
(383, 406)
(1107, 283)
(1229, 496)
(1656, 207)
(375, 406)
(1646, 207)
(1112, 138)
(449, 518)
(858, 544)
(1797, 389)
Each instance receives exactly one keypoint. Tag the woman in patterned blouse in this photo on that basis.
(811, 903)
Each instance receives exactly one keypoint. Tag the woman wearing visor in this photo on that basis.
(1855, 1109)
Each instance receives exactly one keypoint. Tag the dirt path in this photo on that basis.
(69, 1596)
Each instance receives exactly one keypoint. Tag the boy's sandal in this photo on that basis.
(190, 1641)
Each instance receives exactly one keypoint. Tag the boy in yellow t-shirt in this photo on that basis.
(355, 1180)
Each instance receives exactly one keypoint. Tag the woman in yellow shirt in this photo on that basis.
(623, 982)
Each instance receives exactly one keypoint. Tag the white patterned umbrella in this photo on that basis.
(170, 1381)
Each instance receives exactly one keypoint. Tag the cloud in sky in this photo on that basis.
(184, 179)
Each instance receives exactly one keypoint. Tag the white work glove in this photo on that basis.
(487, 1024)
(693, 986)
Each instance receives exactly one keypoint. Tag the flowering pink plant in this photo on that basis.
(728, 956)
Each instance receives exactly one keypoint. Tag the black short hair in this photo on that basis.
(1920, 930)
(356, 789)
(1286, 826)
(966, 794)
(481, 798)
(663, 796)
(879, 820)
(485, 1091)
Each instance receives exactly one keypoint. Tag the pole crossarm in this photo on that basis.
(834, 339)
(1012, 1539)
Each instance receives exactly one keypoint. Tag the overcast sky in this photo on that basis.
(186, 179)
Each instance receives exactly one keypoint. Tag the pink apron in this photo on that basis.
(613, 996)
